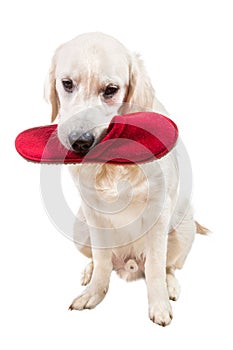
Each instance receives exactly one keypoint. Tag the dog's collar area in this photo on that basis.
(131, 138)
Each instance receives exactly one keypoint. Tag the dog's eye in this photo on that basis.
(110, 91)
(68, 85)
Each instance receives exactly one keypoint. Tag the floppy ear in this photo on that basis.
(51, 92)
(140, 91)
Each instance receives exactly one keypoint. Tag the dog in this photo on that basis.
(93, 78)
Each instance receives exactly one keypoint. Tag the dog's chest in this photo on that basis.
(110, 185)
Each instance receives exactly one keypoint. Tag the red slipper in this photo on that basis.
(131, 138)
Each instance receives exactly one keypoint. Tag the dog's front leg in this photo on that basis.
(160, 310)
(98, 287)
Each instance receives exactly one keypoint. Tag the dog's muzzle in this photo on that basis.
(81, 143)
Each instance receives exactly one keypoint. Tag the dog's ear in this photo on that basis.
(51, 92)
(140, 91)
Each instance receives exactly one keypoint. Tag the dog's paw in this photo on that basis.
(173, 287)
(87, 274)
(161, 313)
(88, 299)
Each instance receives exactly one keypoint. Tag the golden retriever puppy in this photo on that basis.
(134, 219)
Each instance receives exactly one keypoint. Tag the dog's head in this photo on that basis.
(92, 78)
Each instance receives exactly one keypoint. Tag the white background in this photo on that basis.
(187, 49)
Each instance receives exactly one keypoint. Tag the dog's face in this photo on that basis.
(91, 77)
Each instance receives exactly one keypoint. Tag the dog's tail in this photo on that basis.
(201, 229)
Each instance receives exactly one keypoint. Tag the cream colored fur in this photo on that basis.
(125, 240)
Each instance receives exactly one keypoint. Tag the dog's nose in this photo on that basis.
(81, 143)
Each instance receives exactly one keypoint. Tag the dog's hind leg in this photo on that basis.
(179, 244)
(87, 274)
(81, 235)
